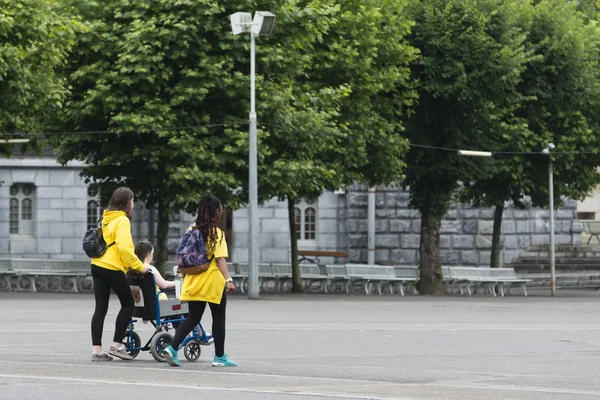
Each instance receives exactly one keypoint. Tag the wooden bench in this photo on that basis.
(305, 254)
(591, 228)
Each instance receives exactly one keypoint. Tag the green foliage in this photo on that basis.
(333, 92)
(562, 95)
(36, 37)
(142, 69)
(472, 58)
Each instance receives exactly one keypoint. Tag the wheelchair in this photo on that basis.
(165, 316)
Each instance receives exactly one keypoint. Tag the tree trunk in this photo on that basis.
(432, 282)
(296, 278)
(496, 235)
(162, 237)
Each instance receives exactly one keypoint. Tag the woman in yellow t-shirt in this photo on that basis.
(210, 286)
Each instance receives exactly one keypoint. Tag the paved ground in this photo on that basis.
(315, 347)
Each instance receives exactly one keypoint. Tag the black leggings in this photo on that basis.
(194, 317)
(104, 280)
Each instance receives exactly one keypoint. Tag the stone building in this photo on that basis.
(45, 209)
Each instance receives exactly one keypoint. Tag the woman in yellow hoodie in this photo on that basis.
(108, 272)
(210, 286)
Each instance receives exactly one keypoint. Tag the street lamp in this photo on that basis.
(263, 23)
(551, 146)
(14, 141)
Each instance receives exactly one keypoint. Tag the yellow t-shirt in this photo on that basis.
(209, 285)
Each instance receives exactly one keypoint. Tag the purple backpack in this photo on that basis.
(192, 256)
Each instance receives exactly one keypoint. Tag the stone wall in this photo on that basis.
(466, 233)
(59, 209)
(60, 219)
(274, 231)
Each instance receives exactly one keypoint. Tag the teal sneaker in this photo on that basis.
(223, 362)
(171, 356)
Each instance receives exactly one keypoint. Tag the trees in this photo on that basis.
(36, 37)
(141, 70)
(472, 56)
(339, 72)
(145, 67)
(561, 106)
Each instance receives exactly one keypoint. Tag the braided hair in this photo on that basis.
(206, 222)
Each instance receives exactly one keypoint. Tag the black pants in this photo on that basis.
(218, 326)
(104, 280)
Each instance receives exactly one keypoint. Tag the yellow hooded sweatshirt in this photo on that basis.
(116, 227)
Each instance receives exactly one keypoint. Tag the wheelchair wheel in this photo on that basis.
(129, 344)
(192, 350)
(158, 343)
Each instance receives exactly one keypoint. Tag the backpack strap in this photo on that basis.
(100, 226)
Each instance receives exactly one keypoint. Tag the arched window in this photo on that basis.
(22, 201)
(14, 215)
(26, 209)
(305, 213)
(310, 223)
(298, 216)
(94, 211)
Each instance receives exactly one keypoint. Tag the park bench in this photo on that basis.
(265, 275)
(366, 276)
(283, 276)
(409, 274)
(507, 276)
(312, 256)
(337, 278)
(466, 278)
(48, 274)
(6, 273)
(591, 228)
(311, 275)
(470, 279)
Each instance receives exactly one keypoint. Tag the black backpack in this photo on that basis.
(93, 242)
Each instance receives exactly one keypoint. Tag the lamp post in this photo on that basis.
(551, 146)
(14, 141)
(263, 23)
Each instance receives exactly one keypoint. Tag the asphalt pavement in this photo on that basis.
(301, 347)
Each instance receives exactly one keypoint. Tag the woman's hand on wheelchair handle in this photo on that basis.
(230, 287)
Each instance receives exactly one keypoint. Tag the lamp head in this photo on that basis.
(240, 22)
(263, 23)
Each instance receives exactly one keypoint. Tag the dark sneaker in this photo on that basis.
(119, 353)
(101, 357)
